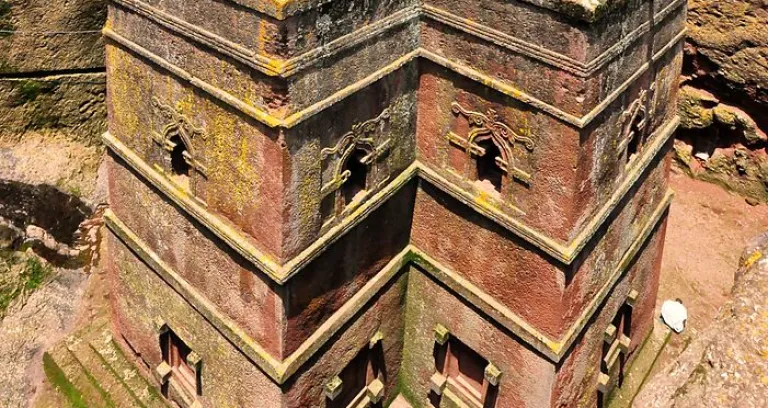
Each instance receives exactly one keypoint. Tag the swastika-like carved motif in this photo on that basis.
(633, 123)
(488, 126)
(359, 138)
(178, 129)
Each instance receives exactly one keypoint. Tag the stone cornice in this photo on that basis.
(589, 11)
(281, 370)
(296, 118)
(281, 273)
(286, 68)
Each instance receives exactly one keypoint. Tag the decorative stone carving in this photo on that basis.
(360, 137)
(333, 388)
(178, 125)
(442, 334)
(618, 345)
(633, 122)
(489, 126)
(492, 374)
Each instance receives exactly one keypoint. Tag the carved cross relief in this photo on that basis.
(360, 139)
(488, 126)
(178, 129)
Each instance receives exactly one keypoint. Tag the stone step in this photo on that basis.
(115, 389)
(103, 344)
(90, 370)
(71, 379)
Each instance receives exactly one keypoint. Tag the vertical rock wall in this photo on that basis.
(724, 96)
(52, 68)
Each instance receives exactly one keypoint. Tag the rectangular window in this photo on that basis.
(359, 377)
(465, 372)
(176, 354)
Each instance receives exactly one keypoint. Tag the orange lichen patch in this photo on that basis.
(752, 259)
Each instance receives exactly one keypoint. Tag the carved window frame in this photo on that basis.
(617, 341)
(180, 381)
(178, 125)
(360, 138)
(373, 392)
(488, 127)
(445, 385)
(636, 116)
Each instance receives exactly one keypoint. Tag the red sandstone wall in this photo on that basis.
(545, 204)
(527, 377)
(383, 313)
(595, 266)
(307, 170)
(230, 282)
(510, 270)
(140, 297)
(244, 158)
(328, 282)
(577, 374)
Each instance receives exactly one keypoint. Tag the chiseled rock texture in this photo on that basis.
(728, 43)
(725, 95)
(52, 68)
(728, 365)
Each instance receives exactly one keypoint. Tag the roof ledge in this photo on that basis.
(586, 10)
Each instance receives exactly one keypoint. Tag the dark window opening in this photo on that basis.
(356, 183)
(179, 164)
(487, 168)
(622, 323)
(464, 370)
(176, 354)
(366, 367)
(633, 146)
(467, 368)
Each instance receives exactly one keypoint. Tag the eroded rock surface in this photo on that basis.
(725, 95)
(52, 68)
(727, 366)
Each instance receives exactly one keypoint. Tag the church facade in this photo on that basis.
(388, 202)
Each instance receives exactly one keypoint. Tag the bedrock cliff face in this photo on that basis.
(52, 68)
(724, 98)
(726, 366)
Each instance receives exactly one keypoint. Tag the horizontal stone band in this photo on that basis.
(281, 370)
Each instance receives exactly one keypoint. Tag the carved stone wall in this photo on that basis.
(309, 177)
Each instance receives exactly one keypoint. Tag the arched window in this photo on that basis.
(358, 175)
(487, 168)
(179, 164)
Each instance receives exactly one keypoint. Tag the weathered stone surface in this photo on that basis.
(728, 47)
(722, 143)
(59, 35)
(26, 331)
(727, 366)
(725, 94)
(69, 105)
(281, 199)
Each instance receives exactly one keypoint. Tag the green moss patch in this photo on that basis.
(29, 90)
(32, 275)
(6, 26)
(60, 382)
